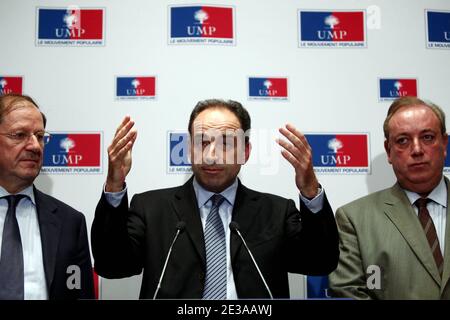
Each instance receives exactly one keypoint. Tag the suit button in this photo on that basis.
(201, 275)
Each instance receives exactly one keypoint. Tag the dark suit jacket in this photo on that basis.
(282, 240)
(64, 243)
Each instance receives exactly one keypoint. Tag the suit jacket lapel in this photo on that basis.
(186, 208)
(399, 210)
(446, 272)
(50, 227)
(245, 210)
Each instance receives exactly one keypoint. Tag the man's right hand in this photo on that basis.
(119, 155)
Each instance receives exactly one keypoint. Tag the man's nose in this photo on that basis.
(417, 148)
(33, 143)
(211, 155)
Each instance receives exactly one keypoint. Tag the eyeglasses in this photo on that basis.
(43, 137)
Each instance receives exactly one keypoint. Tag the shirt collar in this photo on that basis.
(438, 195)
(204, 195)
(28, 191)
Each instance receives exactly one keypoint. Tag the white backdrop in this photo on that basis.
(330, 90)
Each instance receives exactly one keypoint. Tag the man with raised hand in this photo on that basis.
(205, 222)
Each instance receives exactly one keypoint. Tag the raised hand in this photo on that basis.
(298, 152)
(119, 155)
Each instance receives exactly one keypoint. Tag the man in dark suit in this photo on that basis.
(44, 246)
(209, 260)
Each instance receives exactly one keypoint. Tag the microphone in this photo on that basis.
(180, 227)
(234, 226)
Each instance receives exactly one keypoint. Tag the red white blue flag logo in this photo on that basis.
(142, 87)
(438, 29)
(73, 153)
(332, 29)
(340, 153)
(178, 152)
(10, 85)
(391, 89)
(71, 26)
(268, 88)
(201, 25)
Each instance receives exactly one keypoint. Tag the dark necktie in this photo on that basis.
(216, 258)
(11, 260)
(430, 232)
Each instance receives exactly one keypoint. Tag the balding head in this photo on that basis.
(12, 101)
(403, 102)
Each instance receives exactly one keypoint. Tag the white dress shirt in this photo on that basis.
(225, 212)
(35, 286)
(437, 208)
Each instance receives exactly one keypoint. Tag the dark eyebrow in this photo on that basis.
(428, 130)
(228, 134)
(202, 137)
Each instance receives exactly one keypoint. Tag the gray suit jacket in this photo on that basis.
(383, 230)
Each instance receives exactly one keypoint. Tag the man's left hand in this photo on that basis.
(298, 152)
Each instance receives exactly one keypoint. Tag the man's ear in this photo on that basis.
(248, 149)
(189, 148)
(445, 139)
(387, 148)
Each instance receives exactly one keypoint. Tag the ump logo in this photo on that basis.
(340, 153)
(10, 85)
(178, 149)
(268, 88)
(73, 153)
(131, 88)
(71, 26)
(335, 29)
(438, 29)
(391, 89)
(201, 25)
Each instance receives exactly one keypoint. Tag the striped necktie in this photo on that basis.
(430, 232)
(11, 260)
(216, 259)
